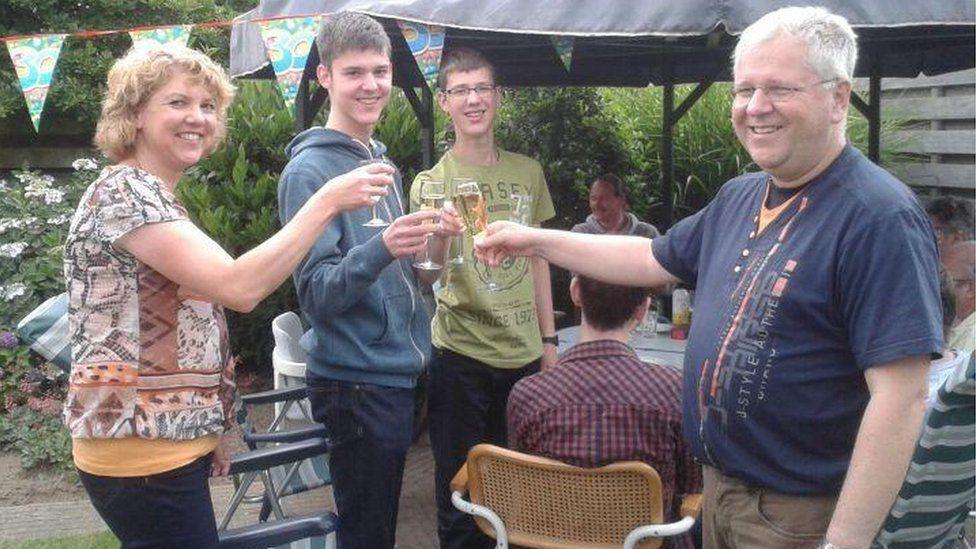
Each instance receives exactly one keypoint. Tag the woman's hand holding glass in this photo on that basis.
(358, 188)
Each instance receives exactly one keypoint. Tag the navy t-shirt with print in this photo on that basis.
(787, 320)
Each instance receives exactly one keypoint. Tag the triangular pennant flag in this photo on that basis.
(153, 38)
(288, 43)
(427, 44)
(34, 60)
(564, 47)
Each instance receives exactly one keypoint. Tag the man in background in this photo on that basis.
(608, 204)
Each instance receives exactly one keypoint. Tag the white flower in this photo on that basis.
(3, 184)
(14, 291)
(84, 164)
(12, 250)
(59, 220)
(53, 196)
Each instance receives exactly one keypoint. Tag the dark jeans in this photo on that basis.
(370, 428)
(171, 509)
(466, 403)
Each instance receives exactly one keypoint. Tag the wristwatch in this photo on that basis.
(552, 340)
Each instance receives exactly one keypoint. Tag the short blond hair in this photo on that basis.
(137, 75)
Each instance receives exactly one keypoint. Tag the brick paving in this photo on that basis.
(416, 522)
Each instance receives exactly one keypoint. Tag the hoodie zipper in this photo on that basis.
(403, 275)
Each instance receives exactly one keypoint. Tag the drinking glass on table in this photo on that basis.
(431, 199)
(375, 220)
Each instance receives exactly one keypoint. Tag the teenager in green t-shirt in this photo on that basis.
(483, 341)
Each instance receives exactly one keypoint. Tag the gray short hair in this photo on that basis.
(831, 42)
(345, 31)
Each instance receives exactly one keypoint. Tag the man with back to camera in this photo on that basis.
(601, 404)
(608, 211)
(357, 288)
(816, 307)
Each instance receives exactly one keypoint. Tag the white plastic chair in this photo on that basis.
(288, 360)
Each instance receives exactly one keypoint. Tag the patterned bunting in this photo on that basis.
(427, 44)
(153, 38)
(288, 42)
(564, 47)
(34, 60)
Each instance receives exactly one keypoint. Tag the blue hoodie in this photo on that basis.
(367, 315)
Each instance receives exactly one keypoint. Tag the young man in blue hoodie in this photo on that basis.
(357, 289)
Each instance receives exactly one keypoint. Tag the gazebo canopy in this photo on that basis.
(629, 43)
(636, 42)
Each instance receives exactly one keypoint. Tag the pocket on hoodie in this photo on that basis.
(396, 318)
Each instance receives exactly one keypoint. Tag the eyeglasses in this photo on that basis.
(461, 92)
(776, 94)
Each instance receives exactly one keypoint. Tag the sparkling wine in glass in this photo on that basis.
(470, 203)
(456, 183)
(375, 220)
(431, 199)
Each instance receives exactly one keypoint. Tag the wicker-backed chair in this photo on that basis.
(530, 501)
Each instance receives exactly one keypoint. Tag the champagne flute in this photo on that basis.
(470, 203)
(456, 182)
(376, 220)
(431, 199)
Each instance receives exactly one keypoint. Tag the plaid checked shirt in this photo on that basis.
(601, 404)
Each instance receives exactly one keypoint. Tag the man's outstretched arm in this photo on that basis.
(626, 260)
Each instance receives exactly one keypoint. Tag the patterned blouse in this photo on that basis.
(147, 360)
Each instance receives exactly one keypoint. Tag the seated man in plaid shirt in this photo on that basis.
(600, 404)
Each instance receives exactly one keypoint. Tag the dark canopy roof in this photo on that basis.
(636, 42)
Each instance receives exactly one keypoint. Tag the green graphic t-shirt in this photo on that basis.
(498, 328)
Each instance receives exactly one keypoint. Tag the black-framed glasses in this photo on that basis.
(461, 92)
(742, 96)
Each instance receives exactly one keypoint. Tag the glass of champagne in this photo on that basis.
(456, 182)
(431, 199)
(375, 220)
(470, 204)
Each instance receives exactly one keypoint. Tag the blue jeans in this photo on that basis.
(171, 509)
(466, 403)
(370, 428)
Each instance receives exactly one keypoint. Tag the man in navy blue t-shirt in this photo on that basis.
(817, 306)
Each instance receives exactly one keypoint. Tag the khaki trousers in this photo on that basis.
(738, 516)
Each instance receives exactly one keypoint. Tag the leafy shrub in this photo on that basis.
(30, 425)
(34, 224)
(39, 438)
(35, 210)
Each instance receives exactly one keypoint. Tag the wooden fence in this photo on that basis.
(940, 131)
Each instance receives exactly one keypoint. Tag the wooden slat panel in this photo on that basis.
(935, 142)
(931, 108)
(949, 79)
(960, 176)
